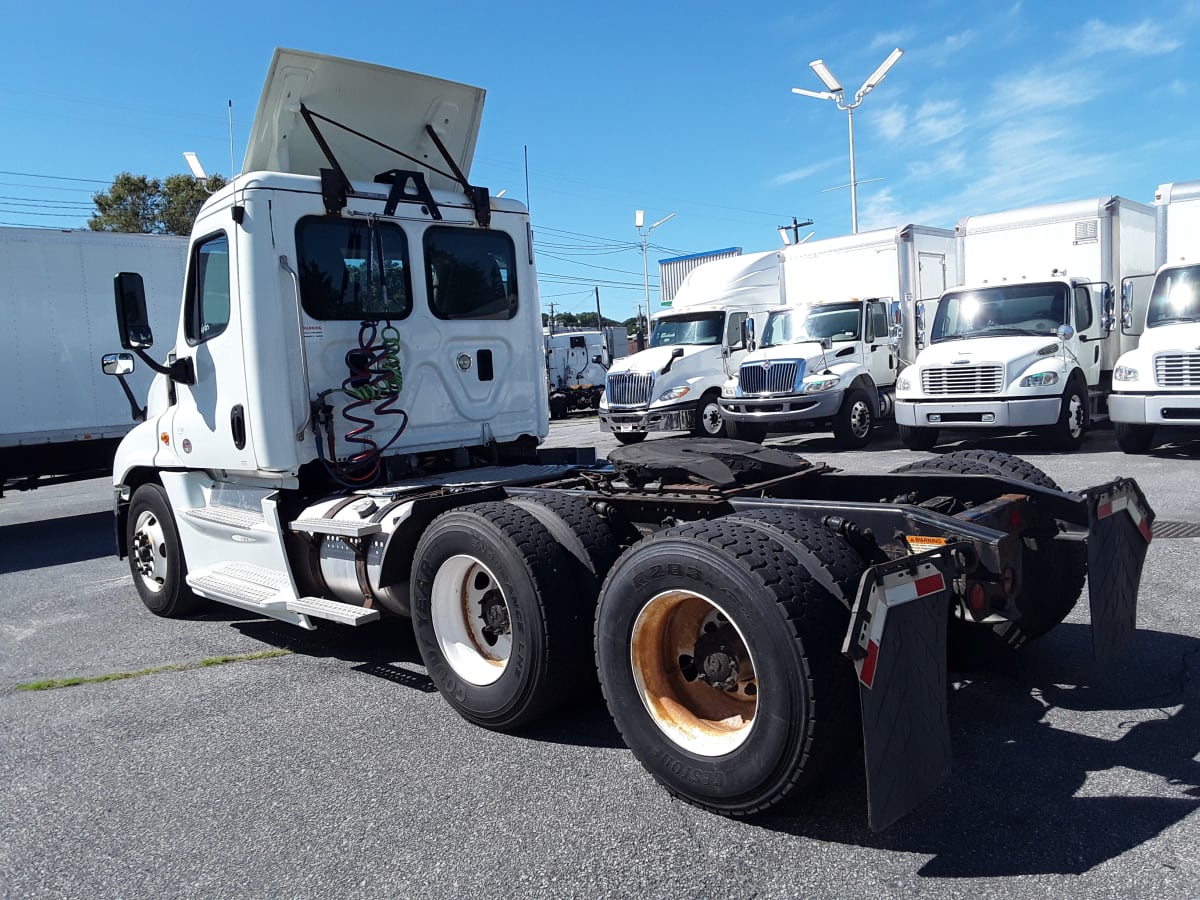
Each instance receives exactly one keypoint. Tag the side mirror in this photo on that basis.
(133, 324)
(748, 334)
(1107, 319)
(919, 322)
(117, 364)
(1127, 303)
(826, 343)
(1065, 333)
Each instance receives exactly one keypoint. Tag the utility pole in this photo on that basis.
(552, 317)
(790, 234)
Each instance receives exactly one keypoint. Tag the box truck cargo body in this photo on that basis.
(60, 418)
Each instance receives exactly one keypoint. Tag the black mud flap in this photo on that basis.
(1121, 525)
(897, 640)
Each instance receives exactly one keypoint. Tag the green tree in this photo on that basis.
(140, 204)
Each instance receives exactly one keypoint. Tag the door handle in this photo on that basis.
(237, 425)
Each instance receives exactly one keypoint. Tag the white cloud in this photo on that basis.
(1145, 39)
(891, 121)
(889, 39)
(798, 174)
(1041, 88)
(940, 53)
(950, 162)
(939, 120)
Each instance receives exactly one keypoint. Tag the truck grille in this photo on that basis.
(629, 389)
(963, 380)
(777, 378)
(1177, 369)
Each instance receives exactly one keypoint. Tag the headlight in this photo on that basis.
(729, 389)
(1041, 379)
(673, 393)
(1125, 373)
(902, 384)
(820, 384)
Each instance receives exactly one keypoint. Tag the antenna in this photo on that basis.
(232, 170)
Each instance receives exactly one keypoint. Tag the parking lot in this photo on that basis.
(323, 763)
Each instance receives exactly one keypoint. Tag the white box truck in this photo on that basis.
(349, 429)
(828, 359)
(1158, 384)
(675, 383)
(1026, 340)
(60, 419)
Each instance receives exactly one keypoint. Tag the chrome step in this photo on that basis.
(233, 516)
(332, 610)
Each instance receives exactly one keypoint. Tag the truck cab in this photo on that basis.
(828, 364)
(1002, 356)
(675, 383)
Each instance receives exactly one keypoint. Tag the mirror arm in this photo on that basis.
(138, 413)
(182, 370)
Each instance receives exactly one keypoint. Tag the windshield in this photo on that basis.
(838, 321)
(1034, 309)
(697, 328)
(1175, 298)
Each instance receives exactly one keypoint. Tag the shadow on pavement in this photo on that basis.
(38, 545)
(1027, 797)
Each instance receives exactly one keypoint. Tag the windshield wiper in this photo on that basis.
(1166, 319)
(949, 337)
(1004, 331)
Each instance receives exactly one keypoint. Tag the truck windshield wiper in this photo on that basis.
(1184, 318)
(1006, 331)
(949, 337)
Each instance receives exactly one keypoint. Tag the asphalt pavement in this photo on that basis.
(335, 770)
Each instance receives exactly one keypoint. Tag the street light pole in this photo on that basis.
(837, 94)
(639, 219)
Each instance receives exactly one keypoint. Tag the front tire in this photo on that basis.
(156, 556)
(500, 616)
(719, 656)
(1067, 432)
(1133, 438)
(917, 438)
(854, 420)
(708, 416)
(745, 431)
(629, 437)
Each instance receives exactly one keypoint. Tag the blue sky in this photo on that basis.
(622, 106)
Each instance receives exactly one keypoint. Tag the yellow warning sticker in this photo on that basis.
(920, 542)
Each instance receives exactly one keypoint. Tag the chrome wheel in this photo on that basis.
(148, 551)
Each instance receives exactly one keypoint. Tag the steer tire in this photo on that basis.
(629, 437)
(156, 556)
(496, 556)
(738, 588)
(854, 420)
(708, 416)
(1068, 432)
(1132, 438)
(745, 431)
(917, 438)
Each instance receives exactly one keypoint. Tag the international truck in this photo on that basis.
(1156, 386)
(1027, 339)
(828, 358)
(576, 363)
(60, 418)
(695, 346)
(348, 428)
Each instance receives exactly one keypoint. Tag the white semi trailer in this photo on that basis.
(60, 418)
(1027, 338)
(829, 357)
(1156, 386)
(348, 429)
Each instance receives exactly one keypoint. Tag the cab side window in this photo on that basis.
(1083, 309)
(733, 330)
(207, 308)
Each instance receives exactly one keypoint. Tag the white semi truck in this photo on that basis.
(675, 383)
(348, 428)
(60, 418)
(1157, 385)
(1027, 338)
(829, 357)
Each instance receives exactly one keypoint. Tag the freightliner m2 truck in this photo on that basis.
(60, 419)
(675, 383)
(829, 357)
(348, 425)
(1027, 339)
(1157, 385)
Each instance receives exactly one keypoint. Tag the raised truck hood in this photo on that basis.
(390, 105)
